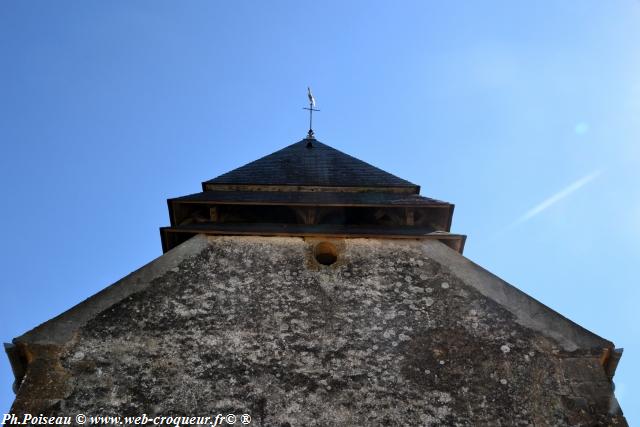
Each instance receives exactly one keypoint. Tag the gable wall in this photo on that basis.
(394, 332)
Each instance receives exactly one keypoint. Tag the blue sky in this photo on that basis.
(523, 114)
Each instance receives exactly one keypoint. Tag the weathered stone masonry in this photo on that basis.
(385, 336)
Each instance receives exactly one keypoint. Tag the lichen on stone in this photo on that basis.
(385, 336)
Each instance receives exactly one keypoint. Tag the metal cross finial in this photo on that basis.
(312, 103)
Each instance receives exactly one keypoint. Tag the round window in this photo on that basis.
(325, 253)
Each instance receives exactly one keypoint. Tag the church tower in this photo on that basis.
(309, 189)
(309, 288)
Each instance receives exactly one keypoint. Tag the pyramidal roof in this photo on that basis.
(311, 163)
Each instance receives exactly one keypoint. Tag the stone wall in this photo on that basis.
(385, 336)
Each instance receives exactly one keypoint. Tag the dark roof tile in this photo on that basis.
(319, 165)
(368, 198)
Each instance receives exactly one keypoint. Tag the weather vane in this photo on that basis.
(312, 103)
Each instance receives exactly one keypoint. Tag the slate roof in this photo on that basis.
(368, 198)
(319, 165)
